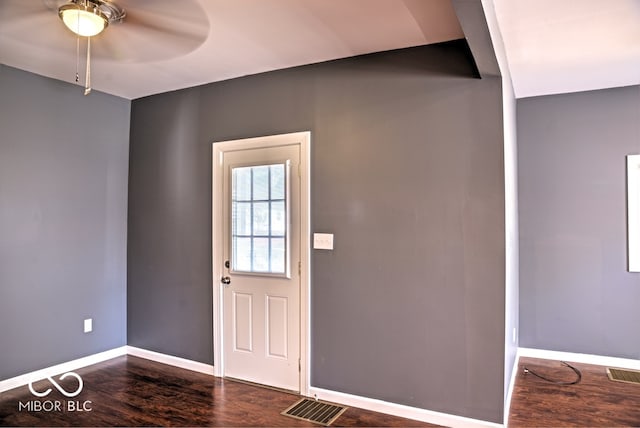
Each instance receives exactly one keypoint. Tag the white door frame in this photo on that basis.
(303, 139)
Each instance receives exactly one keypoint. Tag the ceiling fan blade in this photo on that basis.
(154, 30)
(15, 9)
(128, 43)
(36, 28)
(161, 25)
(25, 23)
(185, 10)
(10, 9)
(115, 48)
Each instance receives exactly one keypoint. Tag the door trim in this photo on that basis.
(303, 139)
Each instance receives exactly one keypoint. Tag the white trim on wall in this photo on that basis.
(598, 360)
(24, 379)
(171, 360)
(423, 415)
(509, 394)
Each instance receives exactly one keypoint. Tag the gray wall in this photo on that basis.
(63, 203)
(169, 295)
(575, 292)
(407, 172)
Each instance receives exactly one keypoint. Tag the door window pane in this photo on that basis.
(242, 253)
(260, 183)
(278, 218)
(242, 187)
(277, 255)
(261, 255)
(259, 219)
(242, 216)
(277, 181)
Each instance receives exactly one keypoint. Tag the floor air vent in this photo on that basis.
(623, 375)
(315, 411)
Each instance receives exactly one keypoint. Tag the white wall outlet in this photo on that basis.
(88, 325)
(323, 241)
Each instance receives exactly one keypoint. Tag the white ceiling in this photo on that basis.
(213, 40)
(560, 46)
(552, 46)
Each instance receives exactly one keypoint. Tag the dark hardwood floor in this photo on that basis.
(594, 402)
(130, 391)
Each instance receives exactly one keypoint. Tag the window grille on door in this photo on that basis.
(260, 219)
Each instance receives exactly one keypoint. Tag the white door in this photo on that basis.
(261, 272)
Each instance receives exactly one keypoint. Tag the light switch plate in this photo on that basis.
(88, 325)
(323, 241)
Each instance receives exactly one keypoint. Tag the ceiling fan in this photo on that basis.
(122, 30)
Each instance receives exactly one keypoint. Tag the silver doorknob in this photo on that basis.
(225, 280)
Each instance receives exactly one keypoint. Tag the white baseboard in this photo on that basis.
(400, 410)
(171, 360)
(24, 379)
(512, 383)
(598, 360)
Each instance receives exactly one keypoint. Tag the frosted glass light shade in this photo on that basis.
(86, 23)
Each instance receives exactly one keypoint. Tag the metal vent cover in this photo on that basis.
(315, 411)
(623, 375)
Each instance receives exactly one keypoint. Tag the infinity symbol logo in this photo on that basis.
(58, 387)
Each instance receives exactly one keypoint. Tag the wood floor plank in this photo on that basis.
(594, 402)
(131, 391)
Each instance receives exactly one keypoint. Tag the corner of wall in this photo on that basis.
(512, 270)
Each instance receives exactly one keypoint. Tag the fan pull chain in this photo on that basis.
(78, 50)
(87, 80)
(77, 59)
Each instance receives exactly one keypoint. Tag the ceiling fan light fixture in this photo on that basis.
(83, 17)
